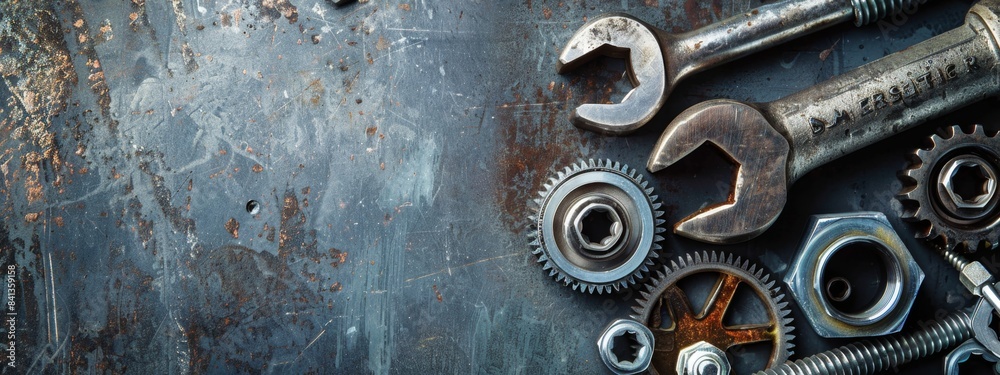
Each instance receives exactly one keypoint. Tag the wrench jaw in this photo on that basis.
(760, 184)
(619, 36)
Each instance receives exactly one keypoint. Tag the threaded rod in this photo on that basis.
(881, 354)
(868, 11)
(954, 259)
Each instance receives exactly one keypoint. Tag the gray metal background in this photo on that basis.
(393, 147)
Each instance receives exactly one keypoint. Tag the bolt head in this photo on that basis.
(981, 171)
(613, 231)
(702, 358)
(975, 275)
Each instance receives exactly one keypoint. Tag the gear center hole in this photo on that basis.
(596, 225)
(856, 277)
(625, 347)
(969, 182)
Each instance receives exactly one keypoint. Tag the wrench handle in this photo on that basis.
(753, 31)
(892, 94)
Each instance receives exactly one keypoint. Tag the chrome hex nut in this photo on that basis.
(984, 172)
(642, 344)
(702, 358)
(868, 234)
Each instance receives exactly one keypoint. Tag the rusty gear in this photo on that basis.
(666, 309)
(607, 201)
(924, 202)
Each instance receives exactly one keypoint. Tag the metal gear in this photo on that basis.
(929, 198)
(666, 309)
(596, 226)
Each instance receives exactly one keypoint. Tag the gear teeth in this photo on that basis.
(947, 132)
(978, 130)
(719, 262)
(910, 214)
(915, 195)
(922, 153)
(654, 255)
(538, 205)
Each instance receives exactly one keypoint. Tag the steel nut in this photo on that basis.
(979, 171)
(702, 358)
(639, 338)
(846, 240)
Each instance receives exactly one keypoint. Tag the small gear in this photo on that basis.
(666, 309)
(596, 226)
(950, 189)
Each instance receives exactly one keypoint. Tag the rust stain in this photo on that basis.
(533, 145)
(95, 77)
(36, 65)
(339, 257)
(826, 53)
(268, 231)
(437, 293)
(233, 227)
(105, 32)
(370, 131)
(32, 217)
(251, 294)
(162, 195)
(316, 92)
(273, 9)
(404, 7)
(257, 168)
(698, 14)
(546, 12)
(294, 239)
(190, 64)
(382, 44)
(127, 321)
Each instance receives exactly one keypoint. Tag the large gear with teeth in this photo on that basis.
(596, 226)
(950, 189)
(666, 308)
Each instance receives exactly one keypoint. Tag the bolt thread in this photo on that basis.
(868, 11)
(882, 354)
(954, 259)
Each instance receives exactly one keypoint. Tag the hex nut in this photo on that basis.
(949, 173)
(614, 229)
(696, 359)
(826, 235)
(644, 352)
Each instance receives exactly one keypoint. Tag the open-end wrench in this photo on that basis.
(776, 143)
(658, 60)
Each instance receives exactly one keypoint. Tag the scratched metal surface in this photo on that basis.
(392, 146)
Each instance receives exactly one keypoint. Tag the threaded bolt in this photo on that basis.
(868, 11)
(881, 354)
(954, 259)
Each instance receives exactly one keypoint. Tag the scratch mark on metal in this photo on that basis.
(448, 269)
